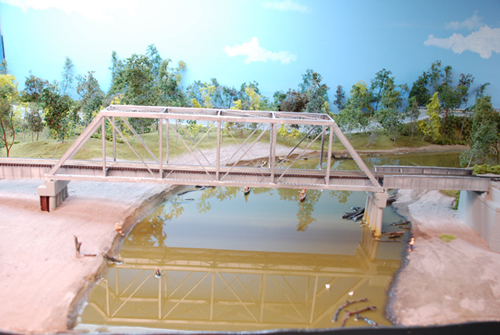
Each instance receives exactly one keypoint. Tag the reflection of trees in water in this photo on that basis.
(306, 208)
(150, 231)
(222, 193)
(342, 196)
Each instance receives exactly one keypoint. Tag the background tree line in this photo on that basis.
(149, 79)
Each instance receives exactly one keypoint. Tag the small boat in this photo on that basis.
(303, 195)
(246, 190)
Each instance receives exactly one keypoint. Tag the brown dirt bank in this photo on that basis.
(443, 282)
(426, 149)
(43, 280)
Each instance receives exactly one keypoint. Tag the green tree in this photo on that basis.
(56, 111)
(412, 112)
(484, 140)
(3, 66)
(8, 93)
(388, 115)
(140, 88)
(378, 85)
(431, 126)
(315, 91)
(67, 75)
(34, 120)
(339, 96)
(465, 82)
(117, 75)
(355, 114)
(419, 90)
(294, 102)
(169, 84)
(229, 95)
(92, 97)
(33, 87)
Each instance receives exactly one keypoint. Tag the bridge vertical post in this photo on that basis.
(329, 159)
(322, 148)
(167, 142)
(374, 210)
(103, 138)
(217, 162)
(272, 141)
(114, 139)
(160, 144)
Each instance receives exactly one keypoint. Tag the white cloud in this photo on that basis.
(485, 41)
(256, 53)
(286, 5)
(470, 23)
(90, 9)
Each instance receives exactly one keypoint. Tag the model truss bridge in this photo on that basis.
(233, 162)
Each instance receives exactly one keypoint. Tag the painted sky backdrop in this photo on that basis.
(272, 42)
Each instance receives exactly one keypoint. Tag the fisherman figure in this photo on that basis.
(412, 242)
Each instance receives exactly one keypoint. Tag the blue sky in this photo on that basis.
(272, 42)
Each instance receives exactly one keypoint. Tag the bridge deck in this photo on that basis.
(393, 177)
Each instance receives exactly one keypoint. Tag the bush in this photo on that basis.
(485, 168)
(447, 237)
(444, 141)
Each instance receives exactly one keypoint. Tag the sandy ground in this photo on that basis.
(42, 277)
(43, 281)
(443, 282)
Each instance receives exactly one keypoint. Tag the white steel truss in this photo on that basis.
(159, 167)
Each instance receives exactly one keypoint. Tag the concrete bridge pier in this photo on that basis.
(375, 204)
(52, 193)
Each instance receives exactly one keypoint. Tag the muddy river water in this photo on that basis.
(220, 260)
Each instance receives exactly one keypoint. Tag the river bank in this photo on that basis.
(443, 282)
(43, 279)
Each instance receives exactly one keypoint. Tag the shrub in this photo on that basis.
(447, 237)
(485, 168)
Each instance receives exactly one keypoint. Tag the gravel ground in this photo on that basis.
(443, 282)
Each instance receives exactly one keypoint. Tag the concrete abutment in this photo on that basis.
(52, 193)
(481, 211)
(375, 204)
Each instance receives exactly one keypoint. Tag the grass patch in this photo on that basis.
(447, 237)
(51, 148)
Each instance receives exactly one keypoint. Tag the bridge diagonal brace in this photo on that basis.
(244, 142)
(192, 153)
(185, 296)
(131, 295)
(78, 144)
(256, 140)
(140, 139)
(211, 127)
(300, 155)
(131, 148)
(193, 141)
(355, 156)
(295, 147)
(288, 298)
(237, 297)
(238, 143)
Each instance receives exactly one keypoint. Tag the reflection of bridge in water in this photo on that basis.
(237, 290)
